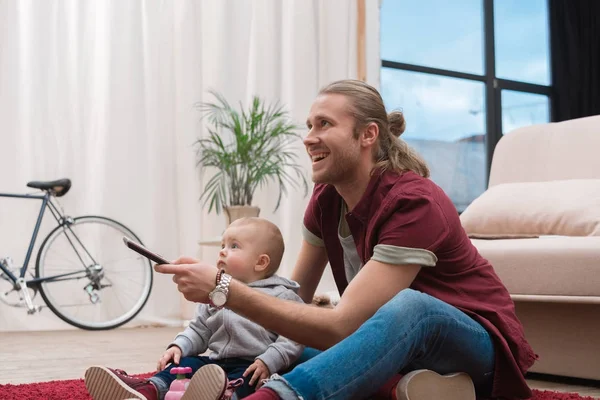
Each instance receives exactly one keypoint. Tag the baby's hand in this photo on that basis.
(172, 353)
(261, 371)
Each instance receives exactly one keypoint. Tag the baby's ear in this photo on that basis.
(262, 263)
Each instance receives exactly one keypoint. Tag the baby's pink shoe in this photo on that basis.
(210, 383)
(114, 384)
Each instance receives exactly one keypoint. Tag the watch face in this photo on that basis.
(218, 299)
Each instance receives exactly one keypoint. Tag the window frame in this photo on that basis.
(493, 85)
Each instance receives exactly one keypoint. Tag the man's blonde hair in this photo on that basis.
(366, 106)
(270, 241)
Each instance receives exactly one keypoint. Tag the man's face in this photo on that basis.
(330, 143)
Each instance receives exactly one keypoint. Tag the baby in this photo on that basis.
(251, 251)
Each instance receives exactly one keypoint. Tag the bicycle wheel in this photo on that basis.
(102, 283)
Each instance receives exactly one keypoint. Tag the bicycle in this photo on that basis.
(83, 263)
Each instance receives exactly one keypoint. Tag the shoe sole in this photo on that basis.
(427, 385)
(208, 383)
(102, 384)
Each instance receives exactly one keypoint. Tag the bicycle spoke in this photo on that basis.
(62, 254)
(77, 305)
(137, 258)
(126, 294)
(127, 276)
(120, 270)
(63, 269)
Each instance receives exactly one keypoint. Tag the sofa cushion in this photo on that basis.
(559, 266)
(530, 209)
(547, 152)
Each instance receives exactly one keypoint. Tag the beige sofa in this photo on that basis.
(539, 225)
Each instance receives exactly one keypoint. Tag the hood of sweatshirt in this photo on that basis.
(275, 281)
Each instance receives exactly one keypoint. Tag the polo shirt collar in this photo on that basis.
(365, 204)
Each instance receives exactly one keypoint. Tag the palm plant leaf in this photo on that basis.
(249, 149)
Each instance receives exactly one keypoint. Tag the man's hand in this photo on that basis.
(194, 279)
(172, 353)
(259, 371)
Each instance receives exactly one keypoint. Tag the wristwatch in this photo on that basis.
(218, 297)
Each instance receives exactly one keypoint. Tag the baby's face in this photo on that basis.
(238, 255)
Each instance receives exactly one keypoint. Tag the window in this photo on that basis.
(407, 24)
(523, 109)
(464, 73)
(445, 123)
(522, 44)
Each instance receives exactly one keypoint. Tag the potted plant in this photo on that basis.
(246, 149)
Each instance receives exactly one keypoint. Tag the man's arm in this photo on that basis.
(309, 269)
(374, 285)
(321, 328)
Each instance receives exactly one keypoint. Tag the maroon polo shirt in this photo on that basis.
(409, 211)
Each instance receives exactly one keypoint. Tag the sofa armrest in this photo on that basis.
(556, 299)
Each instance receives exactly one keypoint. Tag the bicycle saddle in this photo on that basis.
(58, 188)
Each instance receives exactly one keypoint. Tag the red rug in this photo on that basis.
(75, 390)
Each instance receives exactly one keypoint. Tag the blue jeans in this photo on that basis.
(233, 367)
(411, 331)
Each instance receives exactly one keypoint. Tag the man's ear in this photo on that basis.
(262, 263)
(369, 136)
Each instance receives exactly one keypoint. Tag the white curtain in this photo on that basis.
(104, 93)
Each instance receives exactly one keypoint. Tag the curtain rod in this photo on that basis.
(361, 69)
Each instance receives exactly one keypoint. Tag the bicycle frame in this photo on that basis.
(60, 219)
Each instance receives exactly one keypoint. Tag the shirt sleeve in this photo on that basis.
(194, 339)
(311, 230)
(413, 232)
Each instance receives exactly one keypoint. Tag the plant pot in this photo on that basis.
(236, 212)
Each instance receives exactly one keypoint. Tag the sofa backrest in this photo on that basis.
(545, 152)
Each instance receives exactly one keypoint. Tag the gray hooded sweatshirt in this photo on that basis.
(230, 335)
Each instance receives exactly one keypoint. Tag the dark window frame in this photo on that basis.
(493, 84)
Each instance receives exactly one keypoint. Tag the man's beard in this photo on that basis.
(342, 169)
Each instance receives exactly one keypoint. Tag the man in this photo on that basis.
(416, 296)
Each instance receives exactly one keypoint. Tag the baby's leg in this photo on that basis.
(235, 371)
(162, 380)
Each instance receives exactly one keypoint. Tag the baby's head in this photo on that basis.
(251, 249)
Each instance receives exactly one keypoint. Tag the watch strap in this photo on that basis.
(222, 287)
(218, 278)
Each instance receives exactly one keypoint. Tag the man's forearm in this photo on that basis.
(312, 326)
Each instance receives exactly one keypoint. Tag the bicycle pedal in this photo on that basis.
(35, 309)
(22, 285)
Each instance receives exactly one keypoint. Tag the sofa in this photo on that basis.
(538, 223)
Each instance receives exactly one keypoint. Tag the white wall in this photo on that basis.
(104, 93)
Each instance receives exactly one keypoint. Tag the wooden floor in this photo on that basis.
(44, 356)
